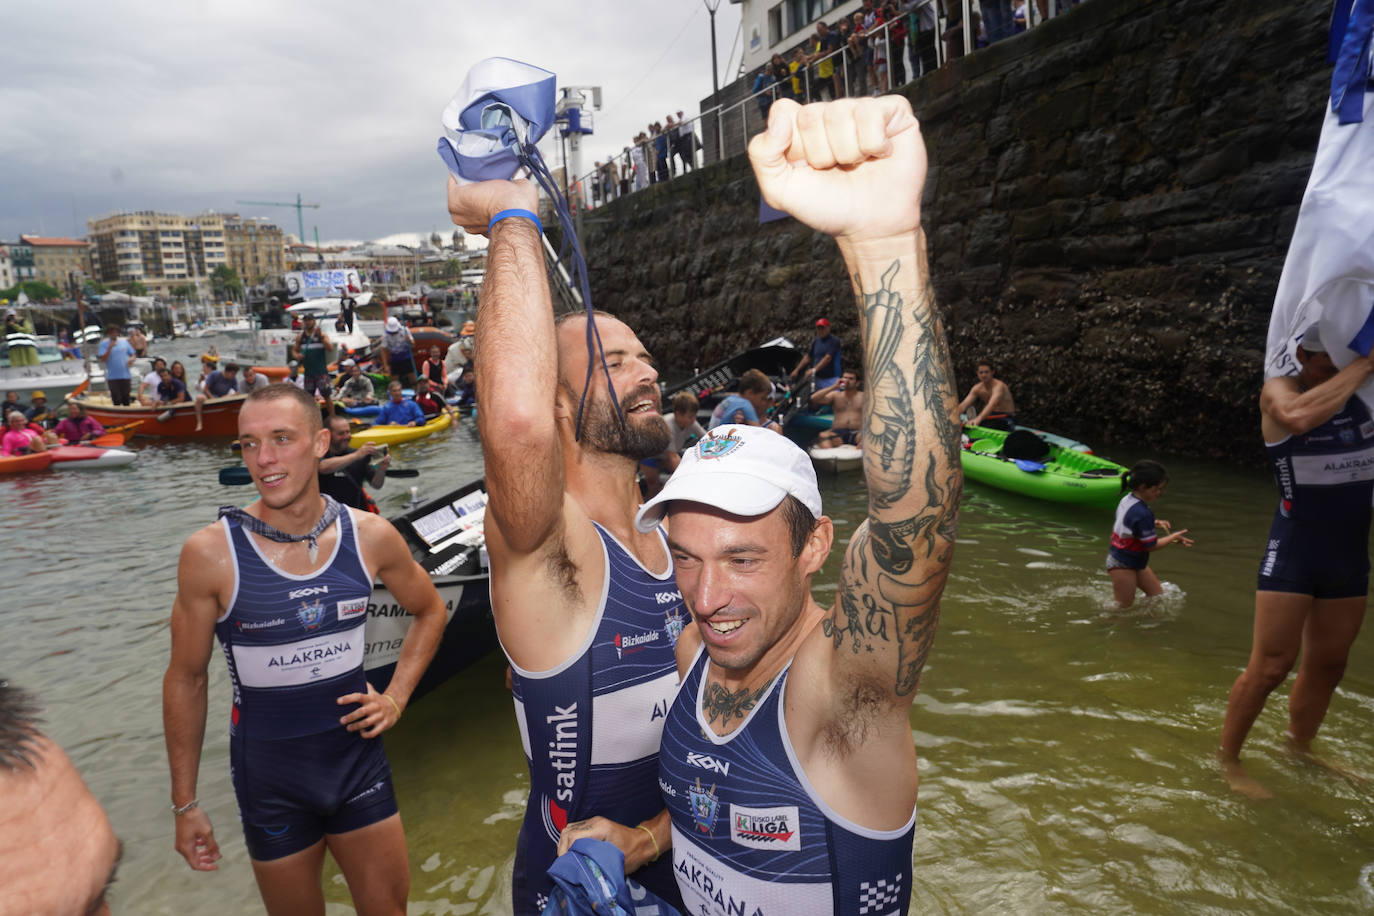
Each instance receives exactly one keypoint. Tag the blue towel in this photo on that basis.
(589, 880)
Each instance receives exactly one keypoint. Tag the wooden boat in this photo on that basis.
(445, 537)
(393, 435)
(1064, 475)
(18, 464)
(221, 417)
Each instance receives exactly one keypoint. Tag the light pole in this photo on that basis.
(715, 79)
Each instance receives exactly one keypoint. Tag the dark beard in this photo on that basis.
(637, 438)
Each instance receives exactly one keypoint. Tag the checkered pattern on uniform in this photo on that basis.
(877, 896)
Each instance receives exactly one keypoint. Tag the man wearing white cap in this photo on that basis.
(787, 762)
(357, 388)
(1314, 576)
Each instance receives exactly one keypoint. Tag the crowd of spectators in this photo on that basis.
(656, 154)
(873, 50)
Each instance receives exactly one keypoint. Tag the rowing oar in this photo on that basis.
(109, 440)
(239, 476)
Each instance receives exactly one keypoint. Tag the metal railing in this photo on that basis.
(596, 188)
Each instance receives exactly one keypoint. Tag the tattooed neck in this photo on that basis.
(727, 705)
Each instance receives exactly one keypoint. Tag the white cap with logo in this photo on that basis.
(743, 470)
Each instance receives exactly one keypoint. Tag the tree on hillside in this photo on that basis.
(36, 290)
(225, 281)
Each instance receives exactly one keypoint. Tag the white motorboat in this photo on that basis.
(55, 376)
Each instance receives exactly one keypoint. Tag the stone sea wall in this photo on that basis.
(1109, 202)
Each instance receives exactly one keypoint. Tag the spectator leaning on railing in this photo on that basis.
(661, 162)
(687, 142)
(824, 45)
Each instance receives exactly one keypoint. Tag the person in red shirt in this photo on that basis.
(425, 397)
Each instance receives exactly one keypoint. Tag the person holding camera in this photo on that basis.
(343, 470)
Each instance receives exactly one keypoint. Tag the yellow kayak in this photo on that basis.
(391, 435)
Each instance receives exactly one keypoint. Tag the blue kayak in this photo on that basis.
(363, 410)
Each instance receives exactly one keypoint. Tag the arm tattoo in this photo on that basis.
(897, 562)
(717, 702)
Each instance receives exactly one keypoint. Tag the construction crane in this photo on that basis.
(300, 209)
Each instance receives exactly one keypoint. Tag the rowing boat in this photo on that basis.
(446, 538)
(394, 435)
(1064, 475)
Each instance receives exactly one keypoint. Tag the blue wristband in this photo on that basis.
(507, 213)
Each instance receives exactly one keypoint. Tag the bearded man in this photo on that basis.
(585, 604)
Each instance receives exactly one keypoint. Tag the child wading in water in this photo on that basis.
(1133, 535)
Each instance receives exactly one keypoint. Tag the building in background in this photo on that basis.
(777, 26)
(21, 261)
(159, 250)
(7, 278)
(255, 248)
(56, 259)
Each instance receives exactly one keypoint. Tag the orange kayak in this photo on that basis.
(19, 463)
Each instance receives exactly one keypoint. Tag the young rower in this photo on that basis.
(284, 585)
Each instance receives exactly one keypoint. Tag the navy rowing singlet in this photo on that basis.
(591, 726)
(294, 643)
(751, 837)
(1326, 475)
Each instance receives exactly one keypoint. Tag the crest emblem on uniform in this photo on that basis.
(673, 623)
(311, 615)
(714, 446)
(1347, 436)
(704, 806)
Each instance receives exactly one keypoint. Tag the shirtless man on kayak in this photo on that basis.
(847, 403)
(999, 410)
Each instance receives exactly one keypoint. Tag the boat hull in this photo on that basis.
(469, 634)
(89, 458)
(55, 379)
(19, 464)
(837, 460)
(394, 435)
(1068, 476)
(221, 418)
(433, 532)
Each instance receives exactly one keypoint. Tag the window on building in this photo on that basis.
(775, 32)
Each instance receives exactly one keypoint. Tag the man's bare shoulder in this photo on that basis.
(205, 568)
(372, 528)
(209, 544)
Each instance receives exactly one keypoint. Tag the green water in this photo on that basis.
(1065, 748)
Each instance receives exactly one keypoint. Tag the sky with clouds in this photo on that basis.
(183, 107)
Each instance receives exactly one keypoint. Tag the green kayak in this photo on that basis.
(1062, 476)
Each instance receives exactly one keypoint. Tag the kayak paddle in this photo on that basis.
(239, 476)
